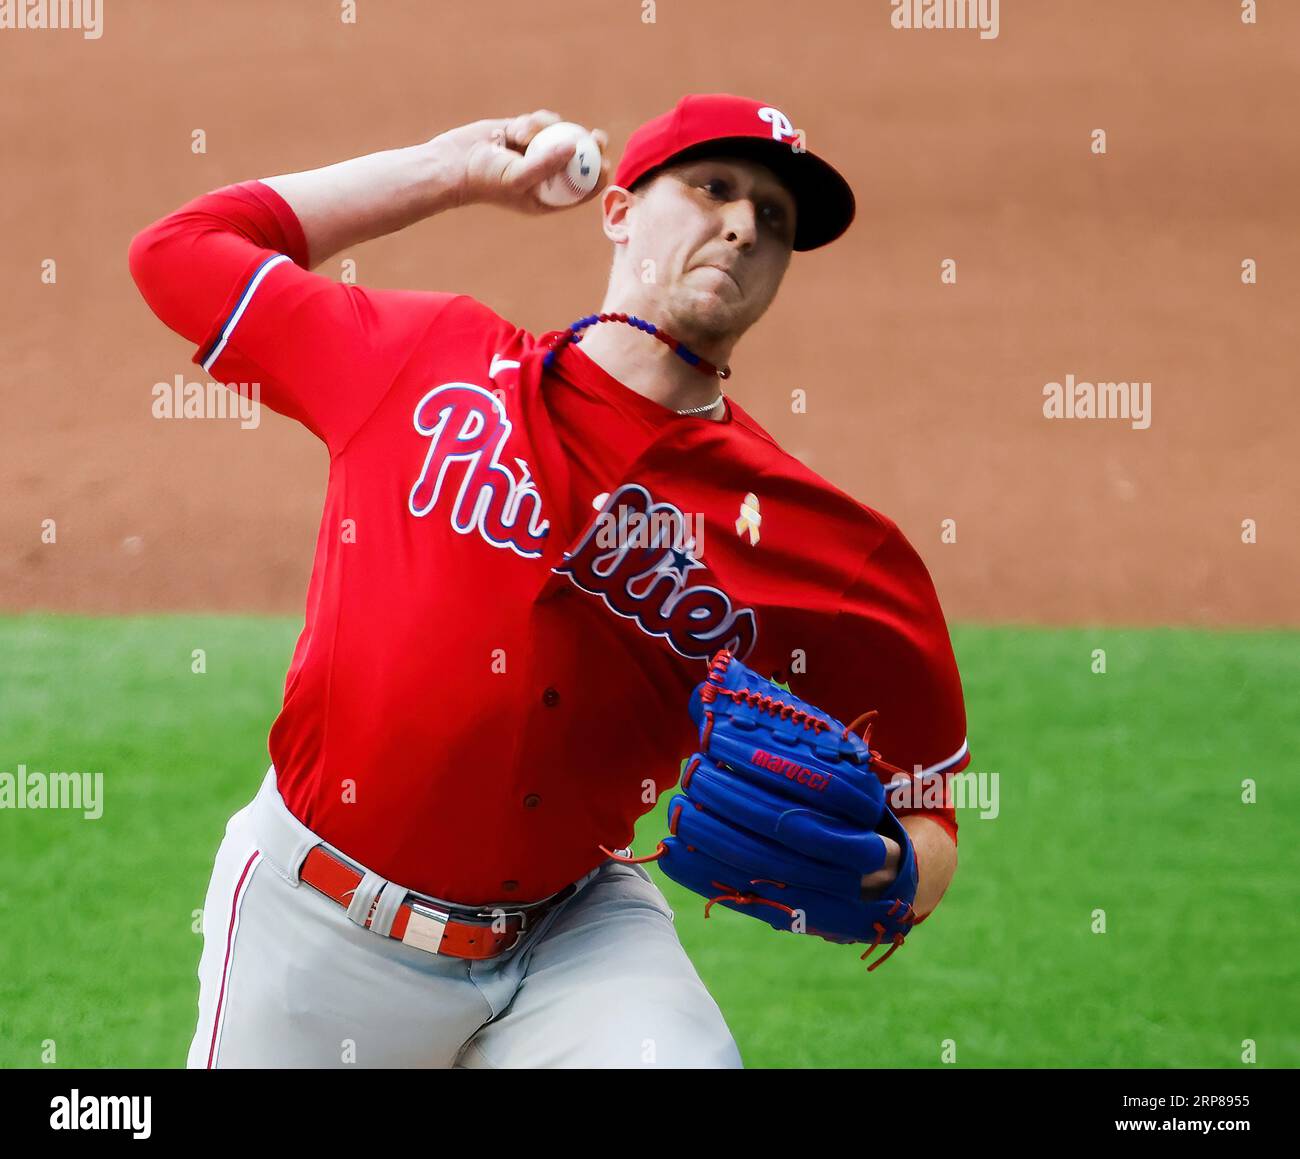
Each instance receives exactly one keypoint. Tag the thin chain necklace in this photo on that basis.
(573, 334)
(699, 410)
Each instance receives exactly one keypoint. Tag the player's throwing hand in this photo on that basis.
(490, 156)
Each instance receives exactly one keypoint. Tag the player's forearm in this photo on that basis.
(351, 202)
(936, 855)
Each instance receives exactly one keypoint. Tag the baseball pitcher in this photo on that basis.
(556, 577)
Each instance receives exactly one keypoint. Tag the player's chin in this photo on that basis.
(715, 315)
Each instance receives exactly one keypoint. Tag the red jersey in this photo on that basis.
(521, 573)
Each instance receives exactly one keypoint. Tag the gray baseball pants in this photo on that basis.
(288, 979)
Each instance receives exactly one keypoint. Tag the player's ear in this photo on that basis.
(615, 204)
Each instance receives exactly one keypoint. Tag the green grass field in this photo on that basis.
(1120, 792)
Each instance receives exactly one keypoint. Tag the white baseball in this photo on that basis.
(576, 179)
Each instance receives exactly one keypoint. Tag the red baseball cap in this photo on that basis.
(719, 124)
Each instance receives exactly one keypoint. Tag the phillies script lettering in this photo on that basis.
(646, 581)
(467, 429)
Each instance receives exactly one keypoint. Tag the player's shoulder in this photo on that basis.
(813, 491)
(446, 327)
(749, 426)
(447, 307)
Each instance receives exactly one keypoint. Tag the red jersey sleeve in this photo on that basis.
(227, 271)
(896, 651)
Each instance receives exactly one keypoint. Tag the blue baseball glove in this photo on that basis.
(781, 815)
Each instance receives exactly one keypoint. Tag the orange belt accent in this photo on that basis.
(427, 926)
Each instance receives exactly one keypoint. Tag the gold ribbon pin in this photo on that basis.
(750, 519)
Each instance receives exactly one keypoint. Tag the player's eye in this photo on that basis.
(771, 212)
(778, 220)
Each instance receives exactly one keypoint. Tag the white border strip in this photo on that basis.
(943, 766)
(232, 934)
(229, 328)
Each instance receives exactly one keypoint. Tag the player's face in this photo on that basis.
(719, 232)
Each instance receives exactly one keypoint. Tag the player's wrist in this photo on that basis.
(438, 177)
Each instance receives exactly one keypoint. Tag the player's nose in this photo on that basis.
(740, 223)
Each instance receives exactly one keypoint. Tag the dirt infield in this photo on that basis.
(924, 399)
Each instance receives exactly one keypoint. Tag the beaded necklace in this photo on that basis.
(573, 334)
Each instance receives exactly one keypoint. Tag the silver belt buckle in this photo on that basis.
(425, 927)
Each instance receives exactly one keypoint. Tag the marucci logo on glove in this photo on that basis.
(791, 769)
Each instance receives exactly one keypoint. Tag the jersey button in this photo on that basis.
(550, 698)
(532, 801)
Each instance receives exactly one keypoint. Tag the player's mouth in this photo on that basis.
(724, 270)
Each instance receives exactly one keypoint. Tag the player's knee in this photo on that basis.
(666, 1024)
(673, 1044)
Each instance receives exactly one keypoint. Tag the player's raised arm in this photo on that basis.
(483, 162)
(230, 270)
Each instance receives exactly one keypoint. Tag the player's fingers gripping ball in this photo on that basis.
(781, 815)
(579, 176)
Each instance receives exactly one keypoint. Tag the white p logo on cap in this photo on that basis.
(781, 126)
